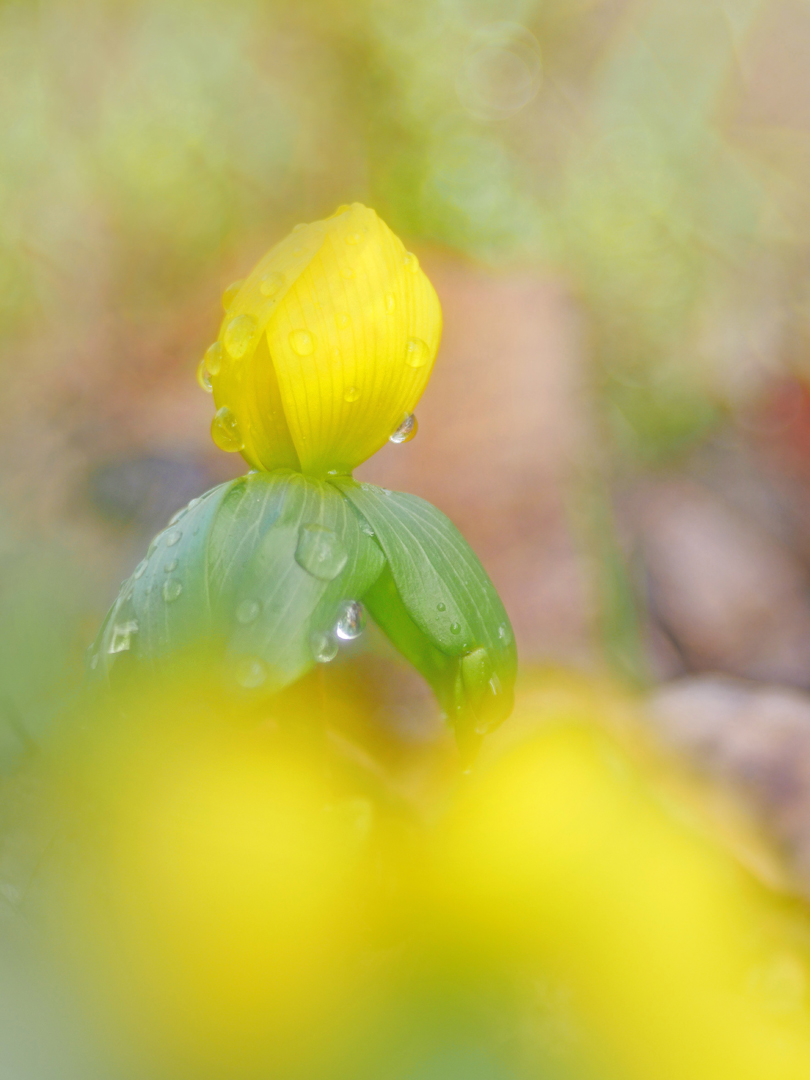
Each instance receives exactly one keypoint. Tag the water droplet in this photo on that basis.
(324, 646)
(441, 607)
(411, 262)
(180, 513)
(94, 661)
(351, 620)
(390, 302)
(343, 320)
(271, 284)
(353, 238)
(352, 394)
(238, 335)
(247, 611)
(320, 552)
(406, 430)
(250, 672)
(193, 503)
(416, 352)
(298, 250)
(202, 378)
(455, 628)
(171, 566)
(347, 272)
(140, 569)
(213, 358)
(121, 637)
(229, 295)
(505, 633)
(366, 528)
(174, 537)
(302, 342)
(171, 590)
(225, 430)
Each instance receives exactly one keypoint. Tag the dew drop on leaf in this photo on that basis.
(247, 611)
(174, 537)
(121, 638)
(320, 552)
(250, 672)
(171, 566)
(140, 569)
(171, 590)
(324, 646)
(351, 620)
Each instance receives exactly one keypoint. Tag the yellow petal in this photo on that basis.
(329, 345)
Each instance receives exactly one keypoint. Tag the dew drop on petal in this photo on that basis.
(229, 295)
(302, 342)
(416, 352)
(239, 335)
(247, 611)
(320, 552)
(324, 646)
(455, 628)
(351, 394)
(343, 320)
(411, 262)
(270, 284)
(225, 430)
(171, 566)
(351, 620)
(203, 379)
(180, 513)
(213, 358)
(250, 672)
(406, 430)
(171, 590)
(140, 569)
(390, 302)
(121, 638)
(441, 607)
(366, 528)
(174, 537)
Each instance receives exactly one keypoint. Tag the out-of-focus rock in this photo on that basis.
(728, 594)
(753, 738)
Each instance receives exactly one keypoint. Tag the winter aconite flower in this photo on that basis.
(325, 347)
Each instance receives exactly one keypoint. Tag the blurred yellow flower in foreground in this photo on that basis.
(325, 348)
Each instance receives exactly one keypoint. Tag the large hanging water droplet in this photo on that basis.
(302, 342)
(406, 430)
(239, 335)
(213, 358)
(247, 611)
(351, 394)
(343, 320)
(203, 381)
(121, 637)
(270, 284)
(417, 353)
(140, 569)
(320, 552)
(229, 295)
(225, 431)
(411, 262)
(351, 620)
(324, 646)
(171, 590)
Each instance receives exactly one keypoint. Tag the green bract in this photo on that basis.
(263, 575)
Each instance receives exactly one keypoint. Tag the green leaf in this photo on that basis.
(449, 620)
(251, 572)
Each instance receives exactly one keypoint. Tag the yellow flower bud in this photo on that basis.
(325, 348)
